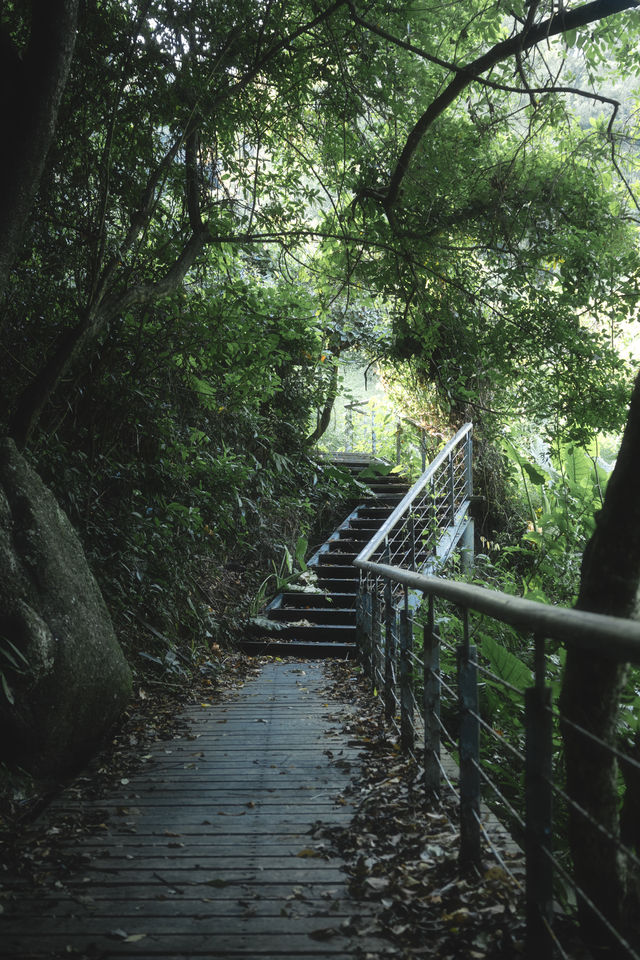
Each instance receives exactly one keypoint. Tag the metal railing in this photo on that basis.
(406, 430)
(414, 687)
(433, 517)
(367, 431)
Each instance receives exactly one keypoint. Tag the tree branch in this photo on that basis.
(273, 51)
(528, 37)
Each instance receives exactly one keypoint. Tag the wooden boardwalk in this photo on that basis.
(209, 850)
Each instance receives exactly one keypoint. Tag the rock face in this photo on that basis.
(74, 680)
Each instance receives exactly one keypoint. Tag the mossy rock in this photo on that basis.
(72, 680)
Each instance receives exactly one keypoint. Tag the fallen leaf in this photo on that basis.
(377, 883)
(324, 933)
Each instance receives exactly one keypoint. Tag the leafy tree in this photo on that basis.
(220, 188)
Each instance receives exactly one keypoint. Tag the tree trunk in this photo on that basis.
(31, 87)
(79, 340)
(591, 690)
(325, 416)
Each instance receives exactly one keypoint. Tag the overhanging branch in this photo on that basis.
(528, 37)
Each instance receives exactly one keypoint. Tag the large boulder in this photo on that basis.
(72, 680)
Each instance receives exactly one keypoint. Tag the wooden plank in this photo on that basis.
(238, 906)
(199, 851)
(248, 944)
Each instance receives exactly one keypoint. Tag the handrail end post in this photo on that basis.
(538, 823)
(407, 728)
(469, 746)
(431, 707)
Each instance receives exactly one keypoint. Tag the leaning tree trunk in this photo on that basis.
(325, 417)
(591, 690)
(31, 84)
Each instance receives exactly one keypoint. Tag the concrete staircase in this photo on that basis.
(321, 620)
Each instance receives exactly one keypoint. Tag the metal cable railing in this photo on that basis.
(366, 427)
(433, 512)
(391, 654)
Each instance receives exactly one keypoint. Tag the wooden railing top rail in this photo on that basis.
(608, 636)
(411, 494)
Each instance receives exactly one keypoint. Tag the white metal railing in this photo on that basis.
(364, 432)
(433, 516)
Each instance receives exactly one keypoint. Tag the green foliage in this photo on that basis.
(212, 233)
(290, 566)
(561, 490)
(182, 451)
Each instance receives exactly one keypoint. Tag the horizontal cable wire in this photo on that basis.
(589, 902)
(554, 936)
(497, 736)
(395, 725)
(496, 853)
(595, 823)
(450, 690)
(485, 671)
(448, 736)
(446, 779)
(595, 739)
(487, 779)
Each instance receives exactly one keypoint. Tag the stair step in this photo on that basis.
(320, 632)
(335, 616)
(358, 545)
(335, 571)
(393, 488)
(337, 558)
(340, 601)
(323, 624)
(333, 585)
(360, 540)
(305, 650)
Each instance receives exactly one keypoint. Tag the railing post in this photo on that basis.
(538, 814)
(431, 705)
(407, 729)
(470, 850)
(376, 632)
(423, 449)
(468, 464)
(389, 644)
(399, 443)
(363, 622)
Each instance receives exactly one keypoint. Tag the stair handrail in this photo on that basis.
(461, 442)
(386, 641)
(612, 637)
